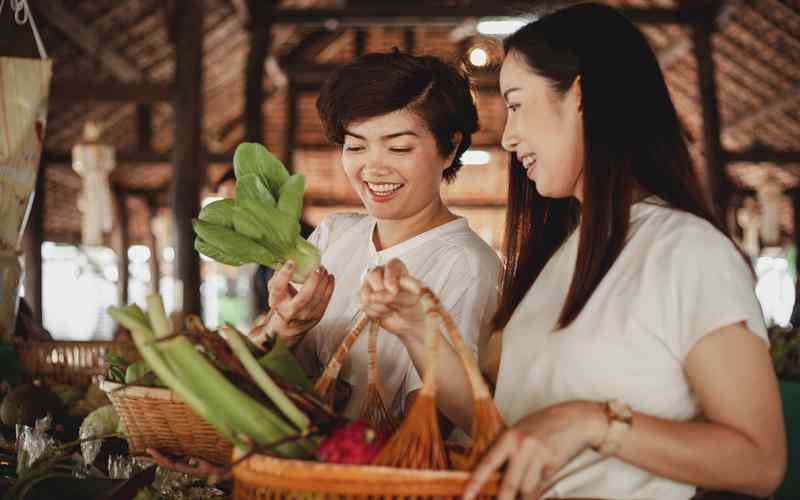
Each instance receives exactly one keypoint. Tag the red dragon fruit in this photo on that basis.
(355, 443)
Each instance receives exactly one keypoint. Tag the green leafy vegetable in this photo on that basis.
(261, 224)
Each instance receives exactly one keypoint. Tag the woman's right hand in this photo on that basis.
(294, 312)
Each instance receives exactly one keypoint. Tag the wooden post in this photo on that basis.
(794, 195)
(360, 42)
(291, 125)
(189, 173)
(32, 247)
(260, 41)
(717, 183)
(409, 40)
(121, 242)
(144, 125)
(152, 244)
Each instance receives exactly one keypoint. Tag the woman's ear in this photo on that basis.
(456, 142)
(576, 88)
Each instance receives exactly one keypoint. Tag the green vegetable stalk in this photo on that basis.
(179, 365)
(261, 224)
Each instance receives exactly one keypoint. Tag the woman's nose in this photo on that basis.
(509, 140)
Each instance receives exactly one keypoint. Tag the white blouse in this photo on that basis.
(451, 259)
(676, 280)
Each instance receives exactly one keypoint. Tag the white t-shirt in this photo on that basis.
(451, 259)
(676, 280)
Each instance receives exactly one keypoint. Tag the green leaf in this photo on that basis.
(219, 212)
(278, 228)
(291, 197)
(251, 187)
(280, 361)
(246, 223)
(215, 253)
(232, 245)
(254, 158)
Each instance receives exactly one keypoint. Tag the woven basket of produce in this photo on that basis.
(157, 418)
(412, 462)
(77, 363)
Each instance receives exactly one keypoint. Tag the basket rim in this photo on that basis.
(108, 386)
(311, 466)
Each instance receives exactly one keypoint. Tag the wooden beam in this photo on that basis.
(152, 244)
(717, 183)
(32, 247)
(794, 196)
(290, 134)
(410, 40)
(763, 155)
(360, 41)
(254, 84)
(670, 56)
(311, 77)
(121, 242)
(398, 14)
(62, 159)
(144, 127)
(142, 92)
(61, 16)
(309, 48)
(189, 173)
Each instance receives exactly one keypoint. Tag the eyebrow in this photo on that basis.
(385, 137)
(512, 89)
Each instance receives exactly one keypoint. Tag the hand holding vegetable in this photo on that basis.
(383, 299)
(294, 312)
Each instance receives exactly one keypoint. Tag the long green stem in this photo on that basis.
(263, 380)
(142, 337)
(243, 413)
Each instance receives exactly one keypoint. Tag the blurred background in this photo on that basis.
(169, 88)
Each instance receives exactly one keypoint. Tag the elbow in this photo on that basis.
(769, 476)
(773, 476)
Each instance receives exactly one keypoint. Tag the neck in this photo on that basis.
(390, 232)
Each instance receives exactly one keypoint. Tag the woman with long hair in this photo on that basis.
(634, 358)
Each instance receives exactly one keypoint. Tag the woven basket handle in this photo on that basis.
(435, 310)
(324, 385)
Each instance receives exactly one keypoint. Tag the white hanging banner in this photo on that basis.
(24, 91)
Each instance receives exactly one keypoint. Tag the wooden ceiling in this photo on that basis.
(114, 62)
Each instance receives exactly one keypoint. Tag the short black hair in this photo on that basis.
(380, 83)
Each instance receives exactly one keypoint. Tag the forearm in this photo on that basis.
(454, 393)
(706, 454)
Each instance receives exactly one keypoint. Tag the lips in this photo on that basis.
(383, 191)
(528, 161)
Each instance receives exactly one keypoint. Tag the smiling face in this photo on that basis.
(543, 129)
(393, 163)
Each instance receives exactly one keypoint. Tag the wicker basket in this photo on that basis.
(77, 363)
(290, 479)
(262, 477)
(158, 418)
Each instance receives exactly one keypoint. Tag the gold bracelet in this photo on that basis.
(620, 419)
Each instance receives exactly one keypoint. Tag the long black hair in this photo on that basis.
(633, 139)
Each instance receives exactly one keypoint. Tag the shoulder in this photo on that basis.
(336, 225)
(341, 222)
(469, 255)
(682, 237)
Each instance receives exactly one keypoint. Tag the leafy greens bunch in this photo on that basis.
(261, 224)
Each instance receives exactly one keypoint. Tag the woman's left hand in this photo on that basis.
(537, 447)
(398, 310)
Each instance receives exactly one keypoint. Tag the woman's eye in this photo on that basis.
(512, 107)
(400, 150)
(353, 148)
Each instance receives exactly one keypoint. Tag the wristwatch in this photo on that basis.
(620, 419)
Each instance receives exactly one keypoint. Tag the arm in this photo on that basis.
(740, 448)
